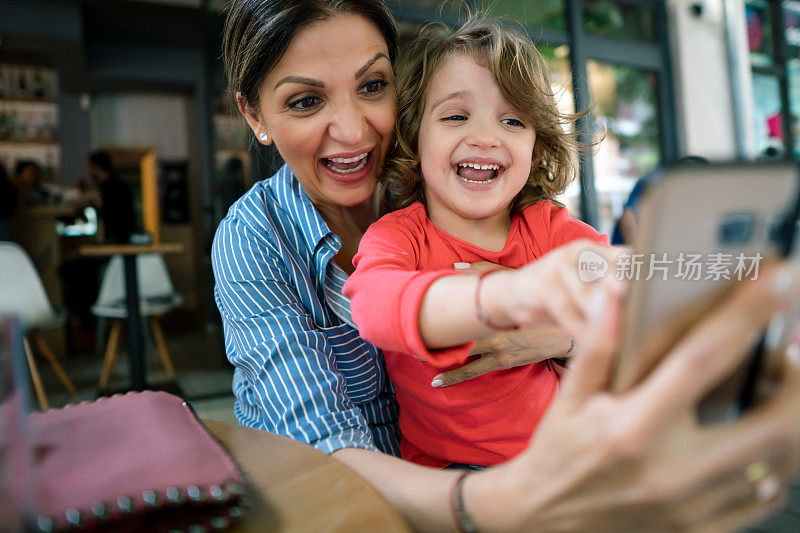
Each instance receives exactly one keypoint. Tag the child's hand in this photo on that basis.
(557, 288)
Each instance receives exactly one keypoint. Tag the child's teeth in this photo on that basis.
(477, 181)
(479, 166)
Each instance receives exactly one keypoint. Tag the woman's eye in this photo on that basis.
(374, 87)
(513, 122)
(454, 118)
(305, 103)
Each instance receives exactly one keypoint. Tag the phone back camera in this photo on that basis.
(736, 230)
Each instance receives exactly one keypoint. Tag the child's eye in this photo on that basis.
(374, 87)
(455, 118)
(513, 122)
(305, 103)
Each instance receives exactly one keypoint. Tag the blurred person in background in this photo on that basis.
(625, 228)
(233, 183)
(8, 204)
(115, 199)
(28, 177)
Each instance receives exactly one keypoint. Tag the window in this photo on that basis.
(773, 38)
(541, 13)
(618, 20)
(626, 113)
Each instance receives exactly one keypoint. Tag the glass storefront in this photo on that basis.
(791, 22)
(626, 123)
(759, 33)
(541, 13)
(618, 20)
(775, 64)
(767, 119)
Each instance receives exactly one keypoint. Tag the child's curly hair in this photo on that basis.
(522, 77)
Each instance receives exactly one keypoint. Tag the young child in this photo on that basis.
(481, 151)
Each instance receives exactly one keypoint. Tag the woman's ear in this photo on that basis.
(253, 120)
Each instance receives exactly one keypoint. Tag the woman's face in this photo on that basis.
(329, 106)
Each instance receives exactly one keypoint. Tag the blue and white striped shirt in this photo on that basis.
(301, 368)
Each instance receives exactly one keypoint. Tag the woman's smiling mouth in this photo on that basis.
(349, 168)
(346, 165)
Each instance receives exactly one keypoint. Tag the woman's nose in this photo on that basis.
(349, 124)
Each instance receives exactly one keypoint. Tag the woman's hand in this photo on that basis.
(510, 349)
(557, 288)
(640, 461)
(507, 349)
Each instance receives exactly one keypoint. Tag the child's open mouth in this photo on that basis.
(478, 172)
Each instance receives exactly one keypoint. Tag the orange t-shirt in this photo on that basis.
(482, 421)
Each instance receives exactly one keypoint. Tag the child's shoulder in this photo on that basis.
(410, 216)
(544, 211)
(552, 219)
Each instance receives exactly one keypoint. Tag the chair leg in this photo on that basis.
(161, 346)
(48, 353)
(102, 336)
(110, 359)
(37, 380)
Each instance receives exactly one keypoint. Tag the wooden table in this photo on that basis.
(129, 253)
(294, 487)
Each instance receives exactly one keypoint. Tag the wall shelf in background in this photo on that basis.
(27, 100)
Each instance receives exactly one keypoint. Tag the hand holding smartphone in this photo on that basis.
(701, 229)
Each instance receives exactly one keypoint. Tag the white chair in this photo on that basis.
(156, 297)
(22, 294)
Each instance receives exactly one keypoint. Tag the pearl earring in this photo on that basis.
(264, 137)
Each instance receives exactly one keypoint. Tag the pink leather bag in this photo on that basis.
(133, 462)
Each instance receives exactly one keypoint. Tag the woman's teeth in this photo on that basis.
(346, 165)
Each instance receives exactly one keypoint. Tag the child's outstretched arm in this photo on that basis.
(431, 314)
(548, 290)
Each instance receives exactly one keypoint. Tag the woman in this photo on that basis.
(315, 77)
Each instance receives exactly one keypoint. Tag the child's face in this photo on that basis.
(468, 123)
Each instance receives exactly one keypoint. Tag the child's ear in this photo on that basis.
(253, 119)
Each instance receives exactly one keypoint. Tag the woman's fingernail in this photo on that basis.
(461, 266)
(437, 382)
(786, 282)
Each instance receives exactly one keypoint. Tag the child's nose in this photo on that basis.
(483, 137)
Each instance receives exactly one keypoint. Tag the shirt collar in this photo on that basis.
(293, 199)
(289, 194)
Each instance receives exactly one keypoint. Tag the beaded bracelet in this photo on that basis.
(463, 520)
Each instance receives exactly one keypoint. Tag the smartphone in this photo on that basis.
(700, 229)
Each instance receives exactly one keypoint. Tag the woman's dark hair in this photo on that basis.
(258, 32)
